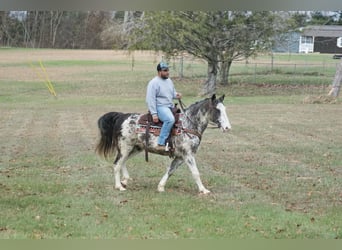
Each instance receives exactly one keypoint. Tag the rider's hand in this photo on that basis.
(178, 95)
(155, 118)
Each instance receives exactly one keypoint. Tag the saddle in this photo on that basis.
(146, 126)
(154, 128)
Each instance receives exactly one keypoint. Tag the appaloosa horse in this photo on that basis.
(120, 136)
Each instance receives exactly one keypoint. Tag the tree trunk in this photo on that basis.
(336, 85)
(224, 72)
(210, 84)
(56, 17)
(127, 19)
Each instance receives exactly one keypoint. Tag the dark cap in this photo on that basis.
(162, 66)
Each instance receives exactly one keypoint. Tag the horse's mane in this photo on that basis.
(195, 107)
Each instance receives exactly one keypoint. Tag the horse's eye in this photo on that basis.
(218, 123)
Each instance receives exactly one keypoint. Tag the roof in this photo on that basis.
(323, 31)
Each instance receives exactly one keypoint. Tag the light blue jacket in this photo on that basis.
(160, 92)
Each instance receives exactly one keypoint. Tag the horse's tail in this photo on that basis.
(110, 128)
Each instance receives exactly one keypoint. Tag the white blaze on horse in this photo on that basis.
(119, 135)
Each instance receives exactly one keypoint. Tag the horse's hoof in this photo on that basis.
(161, 189)
(121, 188)
(124, 183)
(204, 192)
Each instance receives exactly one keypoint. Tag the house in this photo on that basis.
(322, 39)
(286, 43)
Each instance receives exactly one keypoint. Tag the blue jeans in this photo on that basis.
(166, 116)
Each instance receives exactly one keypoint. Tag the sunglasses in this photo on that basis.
(165, 70)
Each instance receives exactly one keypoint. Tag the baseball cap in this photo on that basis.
(161, 66)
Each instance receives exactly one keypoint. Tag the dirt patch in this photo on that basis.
(320, 100)
(23, 65)
(9, 56)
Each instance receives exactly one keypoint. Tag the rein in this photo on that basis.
(194, 132)
(183, 107)
(189, 131)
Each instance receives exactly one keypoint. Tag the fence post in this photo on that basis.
(336, 85)
(181, 75)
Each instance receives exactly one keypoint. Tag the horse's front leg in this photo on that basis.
(170, 170)
(191, 162)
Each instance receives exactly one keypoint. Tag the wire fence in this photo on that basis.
(309, 77)
(281, 73)
(263, 72)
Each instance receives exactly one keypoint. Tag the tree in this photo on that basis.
(70, 34)
(298, 19)
(339, 18)
(116, 33)
(11, 30)
(247, 33)
(95, 23)
(336, 85)
(55, 20)
(320, 18)
(55, 29)
(218, 37)
(40, 28)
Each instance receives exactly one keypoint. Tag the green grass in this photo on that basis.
(276, 175)
(61, 207)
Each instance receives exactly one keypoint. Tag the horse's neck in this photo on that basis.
(196, 119)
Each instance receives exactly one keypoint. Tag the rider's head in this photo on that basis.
(163, 70)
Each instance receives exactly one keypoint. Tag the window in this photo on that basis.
(307, 39)
(339, 42)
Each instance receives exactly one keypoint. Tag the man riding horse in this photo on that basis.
(125, 135)
(159, 96)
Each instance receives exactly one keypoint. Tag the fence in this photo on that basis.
(316, 75)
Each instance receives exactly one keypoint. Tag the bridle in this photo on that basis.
(183, 107)
(186, 130)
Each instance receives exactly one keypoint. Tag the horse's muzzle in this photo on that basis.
(225, 129)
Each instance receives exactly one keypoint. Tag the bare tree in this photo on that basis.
(55, 20)
(218, 37)
(336, 85)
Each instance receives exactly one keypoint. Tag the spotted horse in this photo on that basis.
(119, 136)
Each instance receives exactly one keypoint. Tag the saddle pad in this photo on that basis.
(155, 130)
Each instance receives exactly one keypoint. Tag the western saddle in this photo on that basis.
(147, 126)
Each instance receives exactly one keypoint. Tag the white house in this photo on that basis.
(322, 38)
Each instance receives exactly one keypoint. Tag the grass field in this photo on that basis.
(277, 174)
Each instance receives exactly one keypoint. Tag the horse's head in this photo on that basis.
(219, 114)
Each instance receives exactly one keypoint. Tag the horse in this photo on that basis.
(119, 136)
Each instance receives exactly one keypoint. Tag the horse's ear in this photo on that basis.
(222, 98)
(213, 98)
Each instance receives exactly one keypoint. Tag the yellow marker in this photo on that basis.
(51, 88)
(45, 79)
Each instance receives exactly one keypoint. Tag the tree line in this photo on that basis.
(62, 29)
(108, 29)
(218, 37)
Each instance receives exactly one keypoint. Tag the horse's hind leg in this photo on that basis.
(123, 155)
(118, 163)
(125, 176)
(170, 170)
